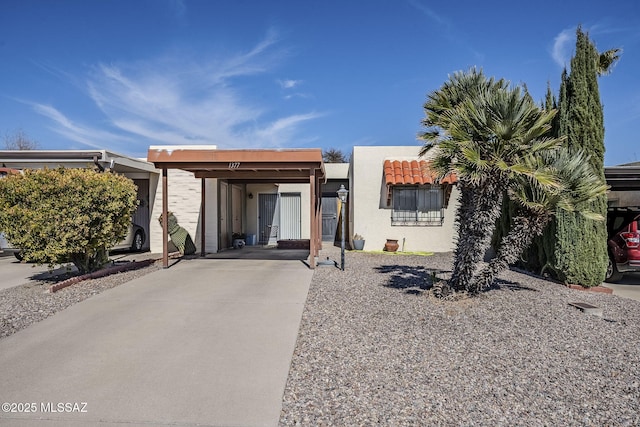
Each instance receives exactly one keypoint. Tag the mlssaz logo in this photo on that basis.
(63, 407)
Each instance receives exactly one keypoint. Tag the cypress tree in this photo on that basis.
(580, 244)
(573, 249)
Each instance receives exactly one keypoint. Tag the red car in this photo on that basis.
(623, 227)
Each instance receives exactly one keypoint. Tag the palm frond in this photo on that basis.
(607, 60)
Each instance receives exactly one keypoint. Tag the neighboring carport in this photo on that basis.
(624, 183)
(142, 173)
(623, 177)
(245, 167)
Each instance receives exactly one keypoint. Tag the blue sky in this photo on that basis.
(126, 74)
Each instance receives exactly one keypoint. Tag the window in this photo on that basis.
(417, 205)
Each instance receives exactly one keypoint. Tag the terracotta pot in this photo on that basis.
(391, 245)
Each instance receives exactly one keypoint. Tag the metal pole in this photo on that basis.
(343, 233)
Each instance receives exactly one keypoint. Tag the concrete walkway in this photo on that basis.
(628, 287)
(205, 342)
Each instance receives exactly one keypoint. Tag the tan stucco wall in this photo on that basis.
(184, 201)
(369, 215)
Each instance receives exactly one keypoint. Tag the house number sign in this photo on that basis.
(234, 165)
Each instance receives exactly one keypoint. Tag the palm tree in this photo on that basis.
(576, 182)
(606, 61)
(440, 110)
(483, 131)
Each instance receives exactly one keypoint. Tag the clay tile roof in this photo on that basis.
(407, 172)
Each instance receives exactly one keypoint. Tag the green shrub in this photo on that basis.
(66, 215)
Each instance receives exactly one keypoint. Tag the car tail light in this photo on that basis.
(631, 239)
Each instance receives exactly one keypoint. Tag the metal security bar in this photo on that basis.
(421, 205)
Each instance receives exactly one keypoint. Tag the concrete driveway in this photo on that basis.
(205, 342)
(628, 287)
(14, 273)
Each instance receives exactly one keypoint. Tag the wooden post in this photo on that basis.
(203, 217)
(312, 211)
(165, 219)
(319, 214)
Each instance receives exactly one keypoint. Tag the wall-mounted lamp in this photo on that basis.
(250, 195)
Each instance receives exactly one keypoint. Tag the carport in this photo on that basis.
(623, 177)
(624, 183)
(142, 173)
(301, 166)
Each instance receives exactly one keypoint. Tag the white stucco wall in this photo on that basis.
(184, 201)
(371, 218)
(336, 170)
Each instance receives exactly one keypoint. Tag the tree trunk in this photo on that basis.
(476, 217)
(522, 233)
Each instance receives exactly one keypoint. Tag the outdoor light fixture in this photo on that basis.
(342, 195)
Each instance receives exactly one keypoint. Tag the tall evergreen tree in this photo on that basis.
(579, 249)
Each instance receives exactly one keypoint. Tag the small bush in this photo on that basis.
(66, 215)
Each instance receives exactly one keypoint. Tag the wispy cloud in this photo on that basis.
(446, 28)
(184, 100)
(283, 129)
(288, 87)
(289, 84)
(430, 13)
(89, 136)
(562, 47)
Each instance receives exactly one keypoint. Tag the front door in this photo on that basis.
(290, 216)
(236, 208)
(268, 218)
(223, 214)
(329, 218)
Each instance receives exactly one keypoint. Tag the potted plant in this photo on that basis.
(239, 240)
(358, 242)
(391, 245)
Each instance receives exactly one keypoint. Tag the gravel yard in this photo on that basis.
(374, 348)
(20, 306)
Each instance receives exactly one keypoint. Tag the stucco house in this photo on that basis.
(289, 195)
(394, 195)
(271, 196)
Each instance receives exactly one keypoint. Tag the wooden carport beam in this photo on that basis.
(165, 220)
(203, 216)
(282, 174)
(312, 213)
(319, 213)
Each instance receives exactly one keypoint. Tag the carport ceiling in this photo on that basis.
(291, 165)
(624, 177)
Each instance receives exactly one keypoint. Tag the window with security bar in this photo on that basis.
(417, 205)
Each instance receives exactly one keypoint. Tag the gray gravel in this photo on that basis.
(375, 348)
(31, 302)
